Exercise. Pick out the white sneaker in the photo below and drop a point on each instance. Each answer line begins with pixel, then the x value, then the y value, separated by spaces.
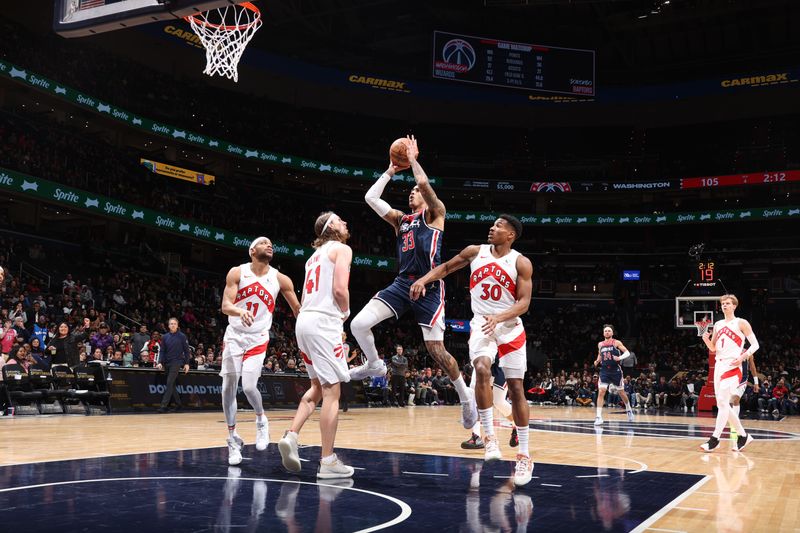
pixel 469 411
pixel 234 452
pixel 288 448
pixel 373 369
pixel 598 421
pixel 630 416
pixel 523 470
pixel 262 435
pixel 491 449
pixel 334 470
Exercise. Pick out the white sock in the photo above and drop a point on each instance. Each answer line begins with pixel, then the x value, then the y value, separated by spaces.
pixel 231 431
pixel 487 421
pixel 461 388
pixel 329 459
pixel 522 433
pixel 261 419
pixel 599 410
pixel 499 400
pixel 628 406
pixel 476 429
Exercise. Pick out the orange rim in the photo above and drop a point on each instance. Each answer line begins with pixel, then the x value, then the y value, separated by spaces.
pixel 246 5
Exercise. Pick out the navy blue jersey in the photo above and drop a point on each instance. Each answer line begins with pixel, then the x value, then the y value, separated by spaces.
pixel 419 246
pixel 607 353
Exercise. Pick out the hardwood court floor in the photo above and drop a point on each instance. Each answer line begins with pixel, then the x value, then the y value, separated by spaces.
pixel 758 490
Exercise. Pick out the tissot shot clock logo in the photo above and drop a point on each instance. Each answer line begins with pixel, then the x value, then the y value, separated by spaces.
pixel 457 56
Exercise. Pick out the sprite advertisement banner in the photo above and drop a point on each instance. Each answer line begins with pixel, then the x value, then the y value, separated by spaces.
pixel 15 182
pixel 694 217
pixel 76 97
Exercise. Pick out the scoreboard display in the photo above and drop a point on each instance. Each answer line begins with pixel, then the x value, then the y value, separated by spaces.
pixel 517 65
pixel 705 273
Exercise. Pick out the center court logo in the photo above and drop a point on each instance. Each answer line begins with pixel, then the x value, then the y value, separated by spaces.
pixel 458 56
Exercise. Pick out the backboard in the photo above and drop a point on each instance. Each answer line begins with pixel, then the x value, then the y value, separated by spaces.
pixel 78 18
pixel 692 309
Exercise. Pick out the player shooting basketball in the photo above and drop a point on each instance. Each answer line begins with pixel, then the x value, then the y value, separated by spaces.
pixel 419 245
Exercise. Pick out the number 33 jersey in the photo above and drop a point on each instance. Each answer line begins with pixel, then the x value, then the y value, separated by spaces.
pixel 256 294
pixel 493 281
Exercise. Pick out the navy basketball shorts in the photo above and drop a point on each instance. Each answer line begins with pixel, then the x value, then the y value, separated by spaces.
pixel 428 309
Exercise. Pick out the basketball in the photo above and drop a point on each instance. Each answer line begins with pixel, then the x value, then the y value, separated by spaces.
pixel 398 152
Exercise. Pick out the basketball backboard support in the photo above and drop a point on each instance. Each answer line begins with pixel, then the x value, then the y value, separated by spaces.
pixel 79 18
pixel 689 310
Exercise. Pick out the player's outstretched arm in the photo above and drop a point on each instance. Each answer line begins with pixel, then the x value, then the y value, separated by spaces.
pixel 458 262
pixel 435 206
pixel 524 290
pixel 381 207
pixel 341 256
pixel 229 296
pixel 287 290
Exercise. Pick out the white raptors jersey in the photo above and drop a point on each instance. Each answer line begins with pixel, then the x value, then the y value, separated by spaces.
pixel 493 281
pixel 730 339
pixel 256 294
pixel 318 284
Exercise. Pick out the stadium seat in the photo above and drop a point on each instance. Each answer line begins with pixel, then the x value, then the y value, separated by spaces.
pixel 41 380
pixel 18 388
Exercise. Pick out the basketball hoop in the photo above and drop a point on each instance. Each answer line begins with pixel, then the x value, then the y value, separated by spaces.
pixel 225 33
pixel 702 327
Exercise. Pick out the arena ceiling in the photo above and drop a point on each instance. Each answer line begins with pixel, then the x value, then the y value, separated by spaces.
pixel 636 40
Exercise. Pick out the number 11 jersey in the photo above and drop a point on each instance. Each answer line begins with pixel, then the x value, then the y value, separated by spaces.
pixel 256 294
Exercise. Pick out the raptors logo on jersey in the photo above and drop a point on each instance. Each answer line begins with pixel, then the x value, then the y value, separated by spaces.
pixel 493 281
pixel 730 339
pixel 257 295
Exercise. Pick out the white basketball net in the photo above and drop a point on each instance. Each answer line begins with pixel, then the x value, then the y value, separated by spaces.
pixel 225 33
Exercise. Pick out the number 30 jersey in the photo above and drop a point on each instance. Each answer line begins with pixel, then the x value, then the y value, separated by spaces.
pixel 256 294
pixel 493 281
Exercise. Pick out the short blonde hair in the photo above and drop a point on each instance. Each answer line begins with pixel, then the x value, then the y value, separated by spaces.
pixel 731 297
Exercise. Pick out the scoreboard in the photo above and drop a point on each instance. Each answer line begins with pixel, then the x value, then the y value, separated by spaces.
pixel 517 65
pixel 705 273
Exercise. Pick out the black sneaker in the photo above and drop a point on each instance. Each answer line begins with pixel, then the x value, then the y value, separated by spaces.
pixel 473 443
pixel 741 442
pixel 514 440
pixel 709 446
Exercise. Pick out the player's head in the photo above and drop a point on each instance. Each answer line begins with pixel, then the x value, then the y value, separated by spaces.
pixel 608 331
pixel 415 200
pixel 261 249
pixel 506 229
pixel 330 227
pixel 728 303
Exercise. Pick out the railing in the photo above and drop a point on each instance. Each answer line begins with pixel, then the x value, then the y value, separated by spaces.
pixel 126 317
pixel 35 272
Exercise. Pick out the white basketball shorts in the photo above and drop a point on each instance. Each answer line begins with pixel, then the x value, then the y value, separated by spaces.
pixel 319 337
pixel 506 342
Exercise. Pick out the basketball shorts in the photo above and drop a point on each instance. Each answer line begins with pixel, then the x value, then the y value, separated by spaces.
pixel 319 337
pixel 507 343
pixel 243 352
pixel 727 378
pixel 428 310
pixel 611 380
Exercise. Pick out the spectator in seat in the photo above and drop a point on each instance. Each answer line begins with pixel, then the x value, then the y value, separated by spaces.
pixel 139 341
pixel 39 355
pixel 410 388
pixel 644 393
pixel 380 385
pixel 674 395
pixel 584 398
pixel 41 331
pixel 777 404
pixel 22 333
pixel 661 392
pixel 101 339
pixel 19 312
pixel 8 338
pixel 764 395
pixel 64 346
pixel 151 350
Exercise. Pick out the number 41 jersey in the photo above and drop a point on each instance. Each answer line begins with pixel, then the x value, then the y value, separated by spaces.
pixel 493 281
